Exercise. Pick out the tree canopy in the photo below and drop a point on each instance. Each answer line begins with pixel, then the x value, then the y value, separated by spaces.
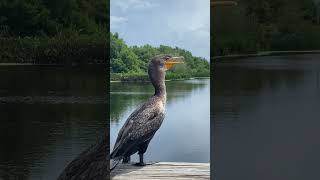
pixel 49 17
pixel 266 25
pixel 126 59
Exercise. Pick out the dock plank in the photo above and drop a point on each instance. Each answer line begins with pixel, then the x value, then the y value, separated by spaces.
pixel 162 170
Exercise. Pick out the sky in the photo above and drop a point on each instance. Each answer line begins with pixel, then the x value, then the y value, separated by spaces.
pixel 176 23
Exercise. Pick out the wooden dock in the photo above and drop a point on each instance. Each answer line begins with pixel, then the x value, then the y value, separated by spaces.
pixel 162 170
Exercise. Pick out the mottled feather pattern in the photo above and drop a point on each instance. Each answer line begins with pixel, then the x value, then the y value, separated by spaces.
pixel 140 126
pixel 137 132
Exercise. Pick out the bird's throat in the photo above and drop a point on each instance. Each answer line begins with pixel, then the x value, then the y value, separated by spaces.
pixel 160 90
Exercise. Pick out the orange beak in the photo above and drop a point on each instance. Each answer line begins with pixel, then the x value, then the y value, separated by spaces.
pixel 173 61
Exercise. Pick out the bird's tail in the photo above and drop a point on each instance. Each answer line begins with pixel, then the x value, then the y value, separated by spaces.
pixel 114 163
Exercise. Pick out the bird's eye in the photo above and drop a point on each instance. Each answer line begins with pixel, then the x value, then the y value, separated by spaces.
pixel 161 65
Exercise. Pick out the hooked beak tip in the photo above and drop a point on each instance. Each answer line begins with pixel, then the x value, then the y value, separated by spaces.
pixel 173 61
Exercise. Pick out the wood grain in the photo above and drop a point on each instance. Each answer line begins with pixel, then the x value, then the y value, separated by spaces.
pixel 162 170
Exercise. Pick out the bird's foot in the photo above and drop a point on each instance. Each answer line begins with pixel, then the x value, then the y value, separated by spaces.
pixel 150 163
pixel 126 160
pixel 144 164
pixel 139 164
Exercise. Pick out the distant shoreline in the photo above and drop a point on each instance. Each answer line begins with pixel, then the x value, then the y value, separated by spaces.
pixel 264 53
pixel 214 58
pixel 53 65
pixel 16 64
pixel 182 79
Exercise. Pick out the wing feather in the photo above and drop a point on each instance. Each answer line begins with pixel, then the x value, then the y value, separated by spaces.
pixel 139 127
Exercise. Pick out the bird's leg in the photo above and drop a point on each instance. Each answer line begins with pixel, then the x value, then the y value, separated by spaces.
pixel 141 163
pixel 141 159
pixel 126 160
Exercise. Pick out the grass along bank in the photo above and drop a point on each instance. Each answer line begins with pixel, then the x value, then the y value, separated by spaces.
pixel 264 53
pixel 67 47
pixel 141 77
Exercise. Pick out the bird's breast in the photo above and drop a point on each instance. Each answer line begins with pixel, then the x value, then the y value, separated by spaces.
pixel 162 108
pixel 161 105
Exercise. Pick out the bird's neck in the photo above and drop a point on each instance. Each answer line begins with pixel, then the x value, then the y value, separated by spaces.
pixel 160 89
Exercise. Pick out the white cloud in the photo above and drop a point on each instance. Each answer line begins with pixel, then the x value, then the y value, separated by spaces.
pixel 181 23
pixel 117 21
pixel 190 26
pixel 124 5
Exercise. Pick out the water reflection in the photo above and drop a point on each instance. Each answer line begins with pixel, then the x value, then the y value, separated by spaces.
pixel 266 118
pixel 48 116
pixel 127 95
pixel 184 135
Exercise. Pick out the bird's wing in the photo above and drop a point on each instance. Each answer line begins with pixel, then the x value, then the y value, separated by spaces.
pixel 139 127
pixel 125 126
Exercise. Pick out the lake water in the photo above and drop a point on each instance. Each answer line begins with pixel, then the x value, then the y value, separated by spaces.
pixel 267 118
pixel 185 133
pixel 48 116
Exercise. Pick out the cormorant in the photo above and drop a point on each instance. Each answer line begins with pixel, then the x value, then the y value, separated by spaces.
pixel 142 124
pixel 91 164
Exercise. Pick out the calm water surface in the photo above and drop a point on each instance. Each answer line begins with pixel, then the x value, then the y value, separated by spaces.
pixel 48 116
pixel 185 132
pixel 267 118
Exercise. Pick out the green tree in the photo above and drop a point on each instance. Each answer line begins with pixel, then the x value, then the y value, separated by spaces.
pixel 49 17
pixel 134 60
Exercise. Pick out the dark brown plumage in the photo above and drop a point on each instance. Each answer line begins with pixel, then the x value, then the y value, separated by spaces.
pixel 135 135
pixel 143 123
pixel 92 164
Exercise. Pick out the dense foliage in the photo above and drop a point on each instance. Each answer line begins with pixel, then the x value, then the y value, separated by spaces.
pixel 266 25
pixel 53 31
pixel 128 62
pixel 50 17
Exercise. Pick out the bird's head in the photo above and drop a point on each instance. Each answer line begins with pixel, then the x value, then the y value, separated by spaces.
pixel 164 62
pixel 160 64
